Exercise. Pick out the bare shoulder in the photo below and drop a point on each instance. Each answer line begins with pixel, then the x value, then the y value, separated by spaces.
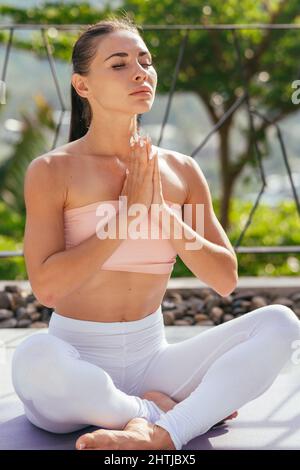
pixel 49 168
pixel 174 158
pixel 194 178
pixel 57 160
pixel 183 165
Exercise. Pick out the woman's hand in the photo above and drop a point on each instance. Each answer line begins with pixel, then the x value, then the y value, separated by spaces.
pixel 138 184
pixel 158 201
pixel 158 197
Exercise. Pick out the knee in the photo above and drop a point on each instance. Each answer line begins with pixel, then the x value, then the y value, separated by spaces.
pixel 25 362
pixel 33 351
pixel 283 319
pixel 36 365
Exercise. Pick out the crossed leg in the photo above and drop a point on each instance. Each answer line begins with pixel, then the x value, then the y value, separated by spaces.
pixel 63 393
pixel 239 359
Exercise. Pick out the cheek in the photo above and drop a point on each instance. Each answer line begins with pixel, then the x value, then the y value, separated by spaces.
pixel 105 87
pixel 115 81
pixel 154 77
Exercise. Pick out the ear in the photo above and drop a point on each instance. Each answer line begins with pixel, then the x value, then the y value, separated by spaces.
pixel 80 85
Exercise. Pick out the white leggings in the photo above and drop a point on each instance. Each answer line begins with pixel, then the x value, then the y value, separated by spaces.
pixel 84 373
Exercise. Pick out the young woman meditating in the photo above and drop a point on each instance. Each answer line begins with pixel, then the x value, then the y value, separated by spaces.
pixel 105 360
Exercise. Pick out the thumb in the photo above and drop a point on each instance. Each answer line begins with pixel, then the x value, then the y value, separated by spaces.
pixel 125 182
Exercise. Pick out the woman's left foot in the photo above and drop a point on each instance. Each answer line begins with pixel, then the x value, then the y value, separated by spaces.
pixel 232 416
pixel 137 434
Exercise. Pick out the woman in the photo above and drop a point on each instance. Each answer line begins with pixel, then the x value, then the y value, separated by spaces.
pixel 105 360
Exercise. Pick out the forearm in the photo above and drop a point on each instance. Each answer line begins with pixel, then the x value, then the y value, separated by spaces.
pixel 211 263
pixel 65 271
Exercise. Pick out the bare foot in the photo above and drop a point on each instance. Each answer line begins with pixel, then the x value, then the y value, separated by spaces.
pixel 233 415
pixel 137 434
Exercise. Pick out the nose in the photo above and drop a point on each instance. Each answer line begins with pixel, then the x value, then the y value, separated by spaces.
pixel 141 71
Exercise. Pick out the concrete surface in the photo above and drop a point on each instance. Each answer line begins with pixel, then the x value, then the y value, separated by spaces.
pixel 272 421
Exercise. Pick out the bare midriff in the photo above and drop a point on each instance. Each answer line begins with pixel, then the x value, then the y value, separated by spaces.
pixel 114 296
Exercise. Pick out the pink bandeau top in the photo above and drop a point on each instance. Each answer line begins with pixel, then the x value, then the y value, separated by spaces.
pixel 154 255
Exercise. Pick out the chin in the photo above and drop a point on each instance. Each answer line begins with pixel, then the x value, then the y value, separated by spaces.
pixel 141 109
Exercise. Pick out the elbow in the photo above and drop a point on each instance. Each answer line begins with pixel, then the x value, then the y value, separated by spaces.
pixel 229 285
pixel 45 299
pixel 48 301
pixel 43 288
pixel 43 296
pixel 225 293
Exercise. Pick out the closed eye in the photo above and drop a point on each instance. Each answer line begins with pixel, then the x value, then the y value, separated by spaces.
pixel 121 65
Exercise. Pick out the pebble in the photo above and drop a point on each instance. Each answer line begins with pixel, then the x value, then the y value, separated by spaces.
pixel 216 315
pixel 5 314
pixel 228 316
pixel 258 301
pixel 201 317
pixel 180 307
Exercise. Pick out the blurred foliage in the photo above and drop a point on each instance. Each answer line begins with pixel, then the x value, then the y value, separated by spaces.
pixel 210 69
pixel 12 226
pixel 209 63
pixel 209 66
pixel 32 142
pixel 271 226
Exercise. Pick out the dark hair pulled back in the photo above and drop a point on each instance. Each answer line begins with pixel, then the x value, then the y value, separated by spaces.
pixel 84 50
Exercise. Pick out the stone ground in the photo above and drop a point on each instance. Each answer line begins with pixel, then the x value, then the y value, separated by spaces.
pixel 186 302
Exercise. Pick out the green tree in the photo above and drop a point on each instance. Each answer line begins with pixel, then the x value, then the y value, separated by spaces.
pixel 33 141
pixel 209 66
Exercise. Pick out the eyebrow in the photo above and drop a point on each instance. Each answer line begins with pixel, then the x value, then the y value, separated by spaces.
pixel 124 54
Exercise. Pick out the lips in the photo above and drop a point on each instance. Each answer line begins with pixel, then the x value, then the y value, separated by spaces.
pixel 142 90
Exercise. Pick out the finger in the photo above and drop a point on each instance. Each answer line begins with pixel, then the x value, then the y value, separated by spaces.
pixel 157 177
pixel 156 162
pixel 150 172
pixel 144 152
pixel 135 159
pixel 135 171
pixel 132 146
pixel 156 166
pixel 124 189
pixel 149 147
pixel 155 174
pixel 131 140
pixel 132 171
pixel 143 159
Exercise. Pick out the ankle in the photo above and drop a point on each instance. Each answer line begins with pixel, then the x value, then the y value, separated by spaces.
pixel 163 438
pixel 154 411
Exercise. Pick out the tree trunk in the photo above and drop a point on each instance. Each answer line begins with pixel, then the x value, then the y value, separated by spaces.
pixel 227 182
pixel 227 190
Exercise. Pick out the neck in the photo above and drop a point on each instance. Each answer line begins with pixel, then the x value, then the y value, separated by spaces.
pixel 110 137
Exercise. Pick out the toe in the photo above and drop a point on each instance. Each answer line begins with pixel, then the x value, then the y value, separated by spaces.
pixel 85 442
